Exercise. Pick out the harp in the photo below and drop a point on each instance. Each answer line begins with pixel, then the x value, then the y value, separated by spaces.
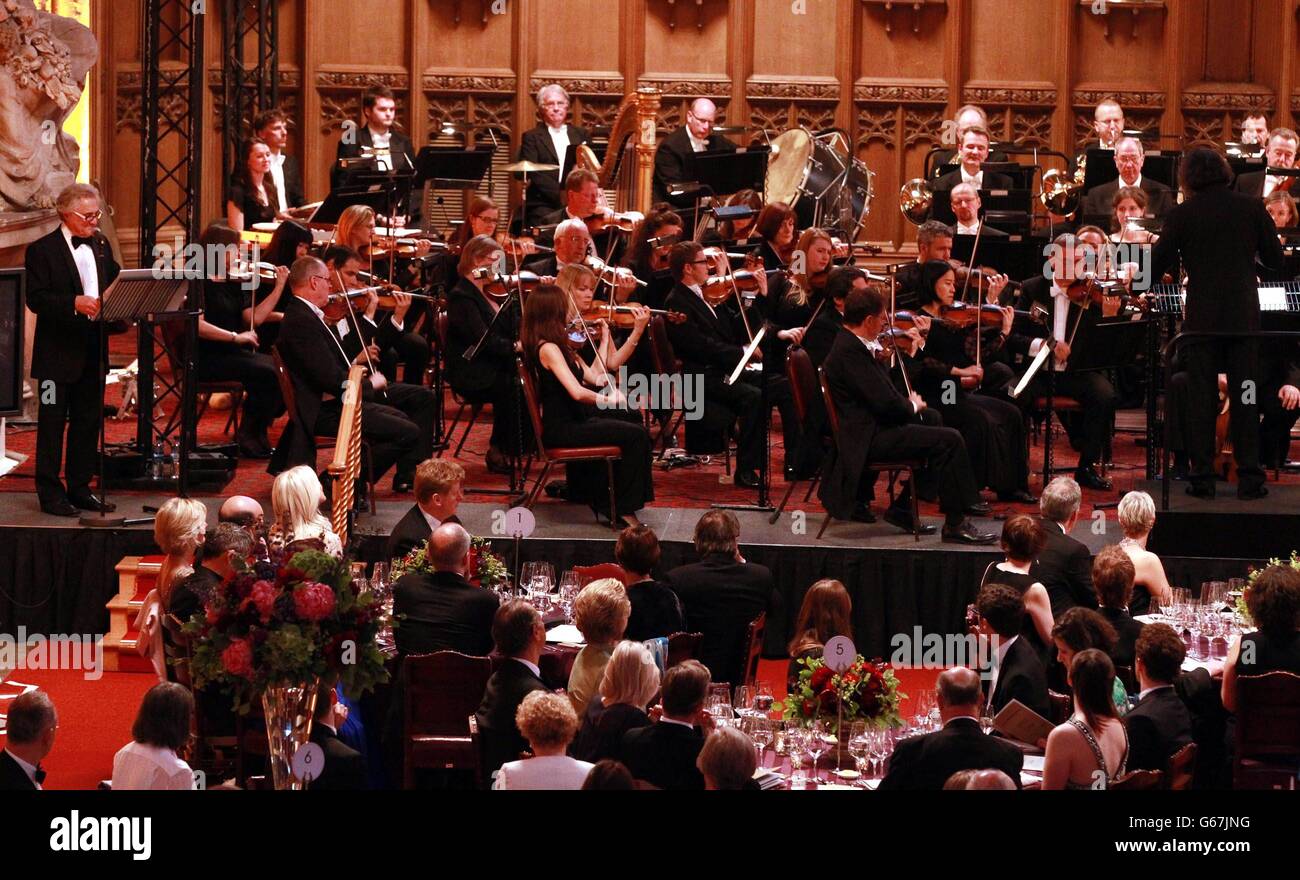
pixel 345 468
pixel 629 163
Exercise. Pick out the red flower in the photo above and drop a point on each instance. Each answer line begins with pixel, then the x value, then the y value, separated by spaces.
pixel 821 677
pixel 313 601
pixel 262 596
pixel 237 658
pixel 809 708
pixel 827 698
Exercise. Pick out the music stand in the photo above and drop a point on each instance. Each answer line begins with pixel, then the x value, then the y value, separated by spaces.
pixel 138 294
pixel 730 171
pixel 339 200
pixel 451 168
pixel 1017 256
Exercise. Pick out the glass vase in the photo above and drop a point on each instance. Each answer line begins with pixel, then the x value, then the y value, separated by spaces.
pixel 288 710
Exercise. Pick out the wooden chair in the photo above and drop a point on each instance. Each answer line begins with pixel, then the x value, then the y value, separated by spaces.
pixel 439 691
pixel 666 363
pixel 683 646
pixel 319 441
pixel 1182 767
pixel 1138 780
pixel 589 573
pixel 893 468
pixel 1267 745
pixel 802 375
pixel 754 647
pixel 440 323
pixel 549 457
pixel 173 334
pixel 1062 706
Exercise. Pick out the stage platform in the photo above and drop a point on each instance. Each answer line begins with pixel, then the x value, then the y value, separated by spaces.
pixel 1225 528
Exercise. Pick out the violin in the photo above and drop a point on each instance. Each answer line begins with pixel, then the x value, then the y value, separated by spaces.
pixel 1095 291
pixel 501 286
pixel 621 316
pixel 248 271
pixel 379 248
pixel 624 222
pixel 979 277
pixel 611 275
pixel 336 305
pixel 718 289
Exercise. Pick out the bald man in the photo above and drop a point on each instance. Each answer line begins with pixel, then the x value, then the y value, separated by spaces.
pixel 441 610
pixel 1129 158
pixel 965 202
pixel 241 510
pixel 672 158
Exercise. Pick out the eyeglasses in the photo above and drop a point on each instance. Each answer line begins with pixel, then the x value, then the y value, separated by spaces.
pixel 92 217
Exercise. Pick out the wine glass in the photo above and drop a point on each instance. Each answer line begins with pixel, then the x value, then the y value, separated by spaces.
pixel 744 701
pixel 763 697
pixel 924 704
pixel 796 746
pixel 986 721
pixel 761 731
pixel 570 583
pixel 881 744
pixel 816 744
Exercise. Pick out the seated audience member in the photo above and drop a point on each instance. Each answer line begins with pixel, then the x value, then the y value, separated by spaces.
pixel 548 722
pixel 224 552
pixel 1018 674
pixel 728 761
pixel 1064 565
pixel 1137 516
pixel 980 780
pixel 1090 751
pixel 1112 577
pixel 520 636
pixel 600 613
pixel 826 612
pixel 630 682
pixel 722 594
pixel 179 530
pixel 1273 601
pixel 32 724
pixel 656 610
pixel 924 763
pixel 1159 725
pixel 242 511
pixel 344 768
pixel 609 775
pixel 151 761
pixel 441 610
pixel 664 753
pixel 296 499
pixel 1080 629
pixel 1022 539
pixel 438 492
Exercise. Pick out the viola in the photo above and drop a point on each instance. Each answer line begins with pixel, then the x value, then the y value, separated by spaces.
pixel 611 275
pixel 719 288
pixel 979 277
pixel 621 315
pixel 624 222
pixel 336 306
pixel 501 286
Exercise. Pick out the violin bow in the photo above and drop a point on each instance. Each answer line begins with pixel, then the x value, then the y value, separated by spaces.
pixel 898 355
pixel 356 326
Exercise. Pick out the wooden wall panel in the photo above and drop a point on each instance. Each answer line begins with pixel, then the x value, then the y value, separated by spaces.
pixel 685 38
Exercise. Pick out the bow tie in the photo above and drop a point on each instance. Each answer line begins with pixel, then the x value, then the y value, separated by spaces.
pixel 39 775
pixel 78 241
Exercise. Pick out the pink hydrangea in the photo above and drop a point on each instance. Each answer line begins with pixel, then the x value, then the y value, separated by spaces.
pixel 238 658
pixel 313 601
pixel 263 596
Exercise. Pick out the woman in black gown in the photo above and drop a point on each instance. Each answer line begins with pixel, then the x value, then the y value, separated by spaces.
pixel 251 196
pixel 1022 540
pixel 572 410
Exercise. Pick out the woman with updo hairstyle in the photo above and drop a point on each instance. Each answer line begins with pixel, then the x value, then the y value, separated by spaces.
pixel 1080 629
pixel 179 529
pixel 1137 517
pixel 1022 540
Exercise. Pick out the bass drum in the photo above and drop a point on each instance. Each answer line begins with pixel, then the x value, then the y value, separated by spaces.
pixel 850 210
pixel 816 178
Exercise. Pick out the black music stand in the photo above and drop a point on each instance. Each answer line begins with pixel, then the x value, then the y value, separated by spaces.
pixel 395 185
pixel 1018 256
pixel 763 503
pixel 451 168
pixel 372 196
pixel 138 294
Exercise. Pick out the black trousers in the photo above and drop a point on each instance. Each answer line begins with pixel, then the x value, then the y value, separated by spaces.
pixel 399 429
pixel 1089 430
pixel 508 416
pixel 725 404
pixel 947 470
pixel 1275 426
pixel 994 431
pixel 588 480
pixel 77 407
pixel 255 371
pixel 1204 360
pixel 412 350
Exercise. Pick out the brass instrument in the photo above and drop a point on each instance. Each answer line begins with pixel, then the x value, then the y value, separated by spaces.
pixel 915 200
pixel 1061 192
pixel 633 134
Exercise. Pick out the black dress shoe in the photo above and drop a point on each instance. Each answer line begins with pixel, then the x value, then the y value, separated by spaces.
pixel 90 501
pixel 254 450
pixel 60 507
pixel 979 508
pixel 402 485
pixel 863 514
pixel 902 519
pixel 1020 496
pixel 557 489
pixel 1090 479
pixel 966 533
pixel 1200 490
pixel 1250 494
pixel 746 479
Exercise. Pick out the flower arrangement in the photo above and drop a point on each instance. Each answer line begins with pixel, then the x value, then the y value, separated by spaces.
pixel 489 568
pixel 867 690
pixel 284 625
pixel 1293 561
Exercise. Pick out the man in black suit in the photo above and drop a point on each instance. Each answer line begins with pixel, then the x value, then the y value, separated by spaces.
pixel 225 550
pixel 442 611
pixel 519 635
pixel 392 150
pixel 552 142
pixel 1064 565
pixel 31 726
pixel 877 423
pixel 438 492
pixel 924 763
pixel 1159 725
pixel 68 271
pixel 972 154
pixel 722 594
pixel 664 753
pixel 1129 157
pixel 1220 236
pixel 1280 153
pixel 1016 672
pixel 964 199
pixel 673 155
pixel 398 430
pixel 272 126
pixel 345 767
pixel 968 116
pixel 933 242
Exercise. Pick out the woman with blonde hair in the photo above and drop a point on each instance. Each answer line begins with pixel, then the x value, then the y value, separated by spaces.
pixel 600 613
pixel 630 683
pixel 296 497
pixel 178 529
pixel 579 286
pixel 1137 516
pixel 548 722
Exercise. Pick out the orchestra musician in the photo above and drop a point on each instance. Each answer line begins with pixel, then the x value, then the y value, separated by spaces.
pixel 1129 203
pixel 1281 206
pixel 1129 157
pixel 878 423
pixel 741 230
pixel 792 300
pixel 552 142
pixel 672 155
pixel 578 284
pixel 272 126
pixel 647 253
pixel 1254 129
pixel 1280 153
pixel 290 241
pixel 933 242
pixel 973 152
pixel 775 228
pixel 377 137
pixel 67 272
pixel 582 201
pixel 968 116
pixel 826 326
pixel 1107 125
pixel 1218 235
pixel 573 244
pixel 251 196
pixel 966 207
pixel 575 414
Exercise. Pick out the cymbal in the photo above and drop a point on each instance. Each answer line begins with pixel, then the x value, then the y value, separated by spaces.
pixel 526 167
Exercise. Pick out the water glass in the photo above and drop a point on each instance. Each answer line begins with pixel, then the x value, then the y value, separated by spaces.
pixel 570 583
pixel 796 746
pixel 763 697
pixel 744 701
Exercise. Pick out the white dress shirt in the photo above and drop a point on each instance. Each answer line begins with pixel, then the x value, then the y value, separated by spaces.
pixel 277 174
pixel 433 522
pixel 1137 184
pixel 1060 318
pixel 976 180
pixel 380 143
pixel 973 229
pixel 140 767
pixel 84 257
pixel 697 145
pixel 560 140
pixel 321 315
pixel 1271 183
pixel 29 769
pixel 548 773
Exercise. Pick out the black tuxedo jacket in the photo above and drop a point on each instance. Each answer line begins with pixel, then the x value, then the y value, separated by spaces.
pixel 1022 677
pixel 399 145
pixel 822 333
pixel 441 611
pixel 992 180
pixel 720 597
pixel 708 341
pixel 1160 198
pixel 1158 726
pixel 1064 567
pixel 498 733
pixel 664 755
pixel 545 187
pixel 1250 184
pixel 950 160
pixel 867 401
pixel 924 763
pixel 316 366
pixel 468 317
pixel 14 778
pixel 1219 235
pixel 545 264
pixel 345 767
pixel 1038 291
pixel 66 342
pixel 1128 629
pixel 411 531
pixel 672 162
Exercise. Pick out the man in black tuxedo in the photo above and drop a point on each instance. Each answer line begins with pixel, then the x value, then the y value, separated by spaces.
pixel 438 492
pixel 1280 153
pixel 552 142
pixel 1159 725
pixel 722 594
pixel 968 117
pixel 398 430
pixel 392 150
pixel 442 611
pixel 933 242
pixel 924 763
pixel 345 767
pixel 31 727
pixel 1064 565
pixel 665 752
pixel 973 153
pixel 272 126
pixel 1016 672
pixel 1220 237
pixel 877 423
pixel 1129 157
pixel 225 549
pixel 673 155
pixel 519 635
pixel 68 271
